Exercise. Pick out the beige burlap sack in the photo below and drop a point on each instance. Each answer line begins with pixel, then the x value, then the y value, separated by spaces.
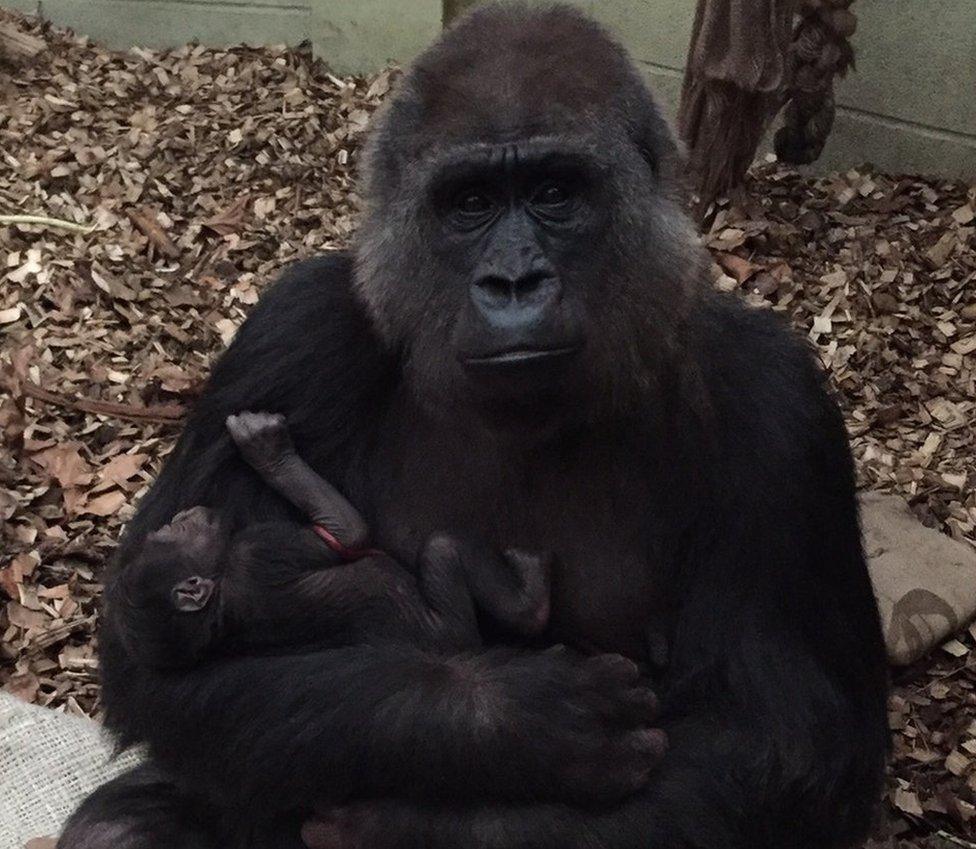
pixel 925 581
pixel 48 763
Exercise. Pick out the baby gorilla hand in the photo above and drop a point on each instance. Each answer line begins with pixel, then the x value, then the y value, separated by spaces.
pixel 262 439
pixel 265 443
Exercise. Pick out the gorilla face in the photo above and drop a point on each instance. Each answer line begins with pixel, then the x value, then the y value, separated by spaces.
pixel 523 247
pixel 537 273
pixel 509 220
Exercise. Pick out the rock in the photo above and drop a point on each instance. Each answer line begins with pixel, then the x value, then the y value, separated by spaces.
pixel 925 581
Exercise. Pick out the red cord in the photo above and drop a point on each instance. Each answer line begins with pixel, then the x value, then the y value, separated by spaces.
pixel 347 554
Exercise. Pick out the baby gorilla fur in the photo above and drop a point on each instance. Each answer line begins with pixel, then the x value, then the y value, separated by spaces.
pixel 194 591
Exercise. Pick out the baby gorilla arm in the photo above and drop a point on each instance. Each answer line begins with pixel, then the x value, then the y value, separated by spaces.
pixel 271 593
pixel 264 441
pixel 513 589
pixel 188 590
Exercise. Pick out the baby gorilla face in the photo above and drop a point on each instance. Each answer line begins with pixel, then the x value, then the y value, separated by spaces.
pixel 183 559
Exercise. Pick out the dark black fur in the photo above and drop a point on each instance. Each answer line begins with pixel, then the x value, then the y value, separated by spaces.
pixel 275 585
pixel 687 468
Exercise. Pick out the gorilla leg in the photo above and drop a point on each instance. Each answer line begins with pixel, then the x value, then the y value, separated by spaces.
pixel 141 809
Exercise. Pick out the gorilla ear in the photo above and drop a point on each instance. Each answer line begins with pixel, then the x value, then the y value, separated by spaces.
pixel 654 138
pixel 392 135
pixel 658 145
pixel 192 594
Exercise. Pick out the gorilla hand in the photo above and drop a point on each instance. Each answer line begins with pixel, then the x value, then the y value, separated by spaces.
pixel 585 727
pixel 363 824
pixel 262 439
pixel 551 726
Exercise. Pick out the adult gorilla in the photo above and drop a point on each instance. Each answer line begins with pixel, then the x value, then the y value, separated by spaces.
pixel 523 347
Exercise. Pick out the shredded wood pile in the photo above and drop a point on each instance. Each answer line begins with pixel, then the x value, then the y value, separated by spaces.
pixel 880 273
pixel 192 176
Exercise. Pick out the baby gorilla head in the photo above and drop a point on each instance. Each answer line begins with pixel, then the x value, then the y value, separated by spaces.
pixel 179 564
pixel 176 573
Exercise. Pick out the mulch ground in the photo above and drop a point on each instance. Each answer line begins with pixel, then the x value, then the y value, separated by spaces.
pixel 193 175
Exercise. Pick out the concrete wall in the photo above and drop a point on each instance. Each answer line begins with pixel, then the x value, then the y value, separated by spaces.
pixel 166 23
pixel 910 106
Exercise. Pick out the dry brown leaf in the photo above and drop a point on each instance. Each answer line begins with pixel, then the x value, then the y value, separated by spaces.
pixel 145 220
pixel 23 685
pixel 940 252
pixel 105 505
pixel 24 617
pixel 231 219
pixel 65 464
pixel 740 269
pixel 122 467
pixel 908 802
pixel 957 763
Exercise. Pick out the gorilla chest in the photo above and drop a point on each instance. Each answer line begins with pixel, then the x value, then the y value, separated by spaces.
pixel 593 508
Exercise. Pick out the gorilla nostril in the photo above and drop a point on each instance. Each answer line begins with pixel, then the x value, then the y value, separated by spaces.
pixel 534 283
pixel 538 288
pixel 515 294
pixel 495 289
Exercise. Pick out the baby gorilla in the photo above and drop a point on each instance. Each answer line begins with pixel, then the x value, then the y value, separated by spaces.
pixel 193 591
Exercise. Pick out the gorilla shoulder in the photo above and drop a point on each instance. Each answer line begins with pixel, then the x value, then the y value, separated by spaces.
pixel 307 344
pixel 308 297
pixel 763 379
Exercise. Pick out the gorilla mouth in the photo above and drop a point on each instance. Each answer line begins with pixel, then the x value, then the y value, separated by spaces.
pixel 517 357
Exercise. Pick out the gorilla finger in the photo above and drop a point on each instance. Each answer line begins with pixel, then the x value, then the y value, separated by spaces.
pixel 649 742
pixel 625 776
pixel 194 514
pixel 639 705
pixel 267 421
pixel 611 670
pixel 333 828
pixel 238 428
pixel 326 834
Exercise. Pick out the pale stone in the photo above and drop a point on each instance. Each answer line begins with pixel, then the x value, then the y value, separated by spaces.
pixel 925 581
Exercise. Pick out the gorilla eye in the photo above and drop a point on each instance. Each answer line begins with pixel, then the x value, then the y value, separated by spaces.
pixel 551 194
pixel 473 204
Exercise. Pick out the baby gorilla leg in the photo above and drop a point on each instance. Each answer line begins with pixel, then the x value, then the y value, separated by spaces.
pixel 512 589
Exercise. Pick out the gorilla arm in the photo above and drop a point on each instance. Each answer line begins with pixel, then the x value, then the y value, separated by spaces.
pixel 288 730
pixel 774 702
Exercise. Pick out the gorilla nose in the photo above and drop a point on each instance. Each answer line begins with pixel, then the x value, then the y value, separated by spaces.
pixel 514 299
